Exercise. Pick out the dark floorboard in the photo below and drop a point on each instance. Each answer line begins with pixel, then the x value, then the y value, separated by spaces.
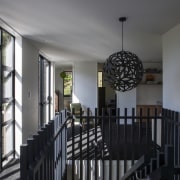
pixel 126 142
pixel 11 171
pixel 129 142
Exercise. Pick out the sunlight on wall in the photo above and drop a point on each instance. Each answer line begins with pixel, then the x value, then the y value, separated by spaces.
pixel 18 94
pixel 74 98
pixel 52 89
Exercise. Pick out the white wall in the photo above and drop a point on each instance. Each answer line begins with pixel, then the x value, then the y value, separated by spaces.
pixel 59 86
pixel 85 84
pixel 149 94
pixel 30 89
pixel 171 69
pixel 126 100
pixel 18 93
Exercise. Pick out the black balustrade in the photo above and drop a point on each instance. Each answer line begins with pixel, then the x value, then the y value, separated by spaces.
pixel 44 155
pixel 107 146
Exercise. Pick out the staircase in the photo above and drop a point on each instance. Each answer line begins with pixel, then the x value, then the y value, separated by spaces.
pixel 157 165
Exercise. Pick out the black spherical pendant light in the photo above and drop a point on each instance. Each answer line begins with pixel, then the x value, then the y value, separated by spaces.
pixel 123 70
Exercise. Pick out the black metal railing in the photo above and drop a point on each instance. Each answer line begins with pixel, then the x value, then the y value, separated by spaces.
pixel 164 161
pixel 44 155
pixel 87 146
pixel 107 145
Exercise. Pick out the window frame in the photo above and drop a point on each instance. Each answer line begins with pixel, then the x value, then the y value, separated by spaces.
pixel 11 69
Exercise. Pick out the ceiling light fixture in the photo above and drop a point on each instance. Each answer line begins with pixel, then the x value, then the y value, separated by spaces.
pixel 123 70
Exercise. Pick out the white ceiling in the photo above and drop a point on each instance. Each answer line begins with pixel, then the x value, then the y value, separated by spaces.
pixel 68 31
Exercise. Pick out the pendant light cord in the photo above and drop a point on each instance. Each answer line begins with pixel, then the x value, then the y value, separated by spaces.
pixel 122 36
pixel 122 20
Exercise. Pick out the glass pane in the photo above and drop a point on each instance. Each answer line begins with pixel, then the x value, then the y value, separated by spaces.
pixel 7 84
pixel 44 88
pixel 7 49
pixel 99 79
pixel 47 91
pixel 68 84
pixel 7 114
pixel 7 111
pixel 7 139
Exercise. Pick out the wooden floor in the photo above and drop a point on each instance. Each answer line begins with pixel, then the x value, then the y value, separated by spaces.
pixel 11 171
pixel 122 142
pixel 126 142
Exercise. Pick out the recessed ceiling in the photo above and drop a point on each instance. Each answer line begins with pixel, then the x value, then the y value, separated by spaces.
pixel 67 31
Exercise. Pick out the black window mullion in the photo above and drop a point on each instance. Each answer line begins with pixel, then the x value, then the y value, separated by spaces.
pixel 13 94
pixel 50 98
pixel 41 91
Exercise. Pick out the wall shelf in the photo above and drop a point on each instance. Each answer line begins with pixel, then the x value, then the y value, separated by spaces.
pixel 149 90
pixel 144 83
pixel 152 71
pixel 152 76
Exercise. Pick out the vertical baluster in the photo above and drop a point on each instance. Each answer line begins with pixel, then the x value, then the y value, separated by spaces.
pixel 118 140
pixel 24 163
pixel 163 129
pixel 65 150
pixel 37 155
pixel 88 160
pixel 54 146
pixel 132 136
pixel 168 134
pixel 40 148
pixel 148 137
pixel 61 145
pixel 172 127
pixel 73 134
pixel 166 127
pixel 176 140
pixel 155 127
pixel 125 139
pixel 80 144
pixel 110 145
pixel 103 134
pixel 95 145
pixel 50 135
pixel 44 134
pixel 31 155
pixel 125 125
pixel 140 126
pixel 48 155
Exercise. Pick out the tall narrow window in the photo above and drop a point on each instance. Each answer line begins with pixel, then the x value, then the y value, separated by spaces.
pixel 7 98
pixel 67 82
pixel 44 90
pixel 100 82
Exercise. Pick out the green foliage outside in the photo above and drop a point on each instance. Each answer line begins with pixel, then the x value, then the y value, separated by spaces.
pixel 68 84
